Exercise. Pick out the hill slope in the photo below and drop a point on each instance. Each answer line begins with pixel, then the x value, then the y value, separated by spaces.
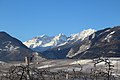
pixel 12 49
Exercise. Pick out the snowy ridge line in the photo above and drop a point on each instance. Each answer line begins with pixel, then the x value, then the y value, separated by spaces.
pixel 44 42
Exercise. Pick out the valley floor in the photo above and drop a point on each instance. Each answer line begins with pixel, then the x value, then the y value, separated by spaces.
pixel 67 69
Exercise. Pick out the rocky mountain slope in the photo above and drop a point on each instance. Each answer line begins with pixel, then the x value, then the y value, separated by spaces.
pixel 103 43
pixel 12 49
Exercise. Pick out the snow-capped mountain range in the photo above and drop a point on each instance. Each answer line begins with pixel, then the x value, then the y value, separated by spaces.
pixel 45 42
pixel 102 43
pixel 88 44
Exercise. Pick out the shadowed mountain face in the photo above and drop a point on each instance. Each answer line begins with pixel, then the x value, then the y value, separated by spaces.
pixel 12 49
pixel 61 52
pixel 103 43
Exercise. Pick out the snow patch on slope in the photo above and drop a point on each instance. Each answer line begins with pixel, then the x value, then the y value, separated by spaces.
pixel 109 36
pixel 9 47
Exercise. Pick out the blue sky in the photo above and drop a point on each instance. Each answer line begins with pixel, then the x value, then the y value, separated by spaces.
pixel 25 19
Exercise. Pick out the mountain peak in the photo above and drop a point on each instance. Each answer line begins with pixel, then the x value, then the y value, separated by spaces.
pixel 44 35
pixel 83 34
pixel 4 33
pixel 61 34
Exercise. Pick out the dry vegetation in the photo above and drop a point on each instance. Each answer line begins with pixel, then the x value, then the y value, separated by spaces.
pixel 26 72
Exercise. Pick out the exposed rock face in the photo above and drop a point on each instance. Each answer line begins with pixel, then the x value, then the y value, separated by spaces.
pixel 103 43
